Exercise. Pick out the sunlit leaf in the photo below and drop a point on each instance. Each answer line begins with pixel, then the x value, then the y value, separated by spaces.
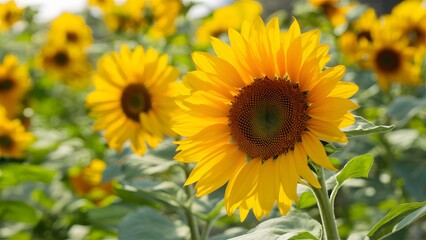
pixel 363 127
pixel 399 217
pixel 15 211
pixel 13 174
pixel 357 167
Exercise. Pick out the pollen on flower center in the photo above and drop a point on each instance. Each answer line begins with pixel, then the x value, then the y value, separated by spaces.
pixel 267 118
pixel 388 60
pixel 61 59
pixel 135 99
pixel 6 84
pixel 5 142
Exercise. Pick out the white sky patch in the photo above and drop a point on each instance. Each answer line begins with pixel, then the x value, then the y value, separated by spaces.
pixel 49 9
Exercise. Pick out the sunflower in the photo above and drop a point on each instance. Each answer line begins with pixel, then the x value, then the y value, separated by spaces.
pixel 332 9
pixel 87 182
pixel 392 59
pixel 355 42
pixel 70 29
pixel 9 15
pixel 164 13
pixel 14 84
pixel 409 17
pixel 14 140
pixel 235 14
pixel 67 63
pixel 133 98
pixel 255 112
pixel 104 5
pixel 126 17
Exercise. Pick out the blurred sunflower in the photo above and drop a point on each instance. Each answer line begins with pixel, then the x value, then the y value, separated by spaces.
pixel 9 15
pixel 235 14
pixel 68 63
pixel 14 84
pixel 332 9
pixel 392 59
pixel 14 140
pixel 87 182
pixel 355 42
pixel 164 13
pixel 134 15
pixel 104 5
pixel 70 29
pixel 133 98
pixel 125 17
pixel 409 17
pixel 255 112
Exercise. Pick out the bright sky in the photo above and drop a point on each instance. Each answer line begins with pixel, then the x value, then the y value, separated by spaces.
pixel 52 8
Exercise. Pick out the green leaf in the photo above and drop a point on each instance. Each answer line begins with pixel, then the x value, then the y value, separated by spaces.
pixel 404 108
pixel 13 174
pixel 109 216
pixel 15 211
pixel 399 217
pixel 363 127
pixel 146 223
pixel 358 166
pixel 296 223
pixel 306 200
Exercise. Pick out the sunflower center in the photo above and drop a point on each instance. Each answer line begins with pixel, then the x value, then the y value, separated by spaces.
pixel 268 117
pixel 8 17
pixel 72 37
pixel 329 8
pixel 135 99
pixel 364 34
pixel 416 36
pixel 61 59
pixel 388 60
pixel 5 142
pixel 6 84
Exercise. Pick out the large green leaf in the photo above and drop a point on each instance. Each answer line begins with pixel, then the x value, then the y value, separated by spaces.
pixel 404 108
pixel 146 223
pixel 15 211
pixel 363 127
pixel 358 166
pixel 109 216
pixel 13 174
pixel 291 226
pixel 399 217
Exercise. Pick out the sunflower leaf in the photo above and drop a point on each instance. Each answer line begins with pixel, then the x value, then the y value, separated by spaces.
pixel 363 127
pixel 15 211
pixel 399 217
pixel 13 174
pixel 358 166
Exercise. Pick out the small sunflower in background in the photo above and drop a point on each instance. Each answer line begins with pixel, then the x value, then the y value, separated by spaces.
pixel 133 98
pixel 392 59
pixel 254 113
pixel 409 17
pixel 67 63
pixel 157 17
pixel 14 139
pixel 333 10
pixel 87 182
pixel 14 84
pixel 354 43
pixel 104 5
pixel 9 14
pixel 164 14
pixel 70 29
pixel 231 16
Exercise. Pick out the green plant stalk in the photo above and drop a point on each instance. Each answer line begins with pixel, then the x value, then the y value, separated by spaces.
pixel 325 208
pixel 192 220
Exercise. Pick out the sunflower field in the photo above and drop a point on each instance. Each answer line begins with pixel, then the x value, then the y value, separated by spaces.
pixel 180 119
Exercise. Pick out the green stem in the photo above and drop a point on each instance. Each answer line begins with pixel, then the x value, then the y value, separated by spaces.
pixel 192 220
pixel 325 208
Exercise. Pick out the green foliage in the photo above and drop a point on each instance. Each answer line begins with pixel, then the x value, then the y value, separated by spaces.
pixel 363 127
pixel 399 217
pixel 296 225
pixel 357 167
pixel 15 211
pixel 12 174
pixel 146 223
